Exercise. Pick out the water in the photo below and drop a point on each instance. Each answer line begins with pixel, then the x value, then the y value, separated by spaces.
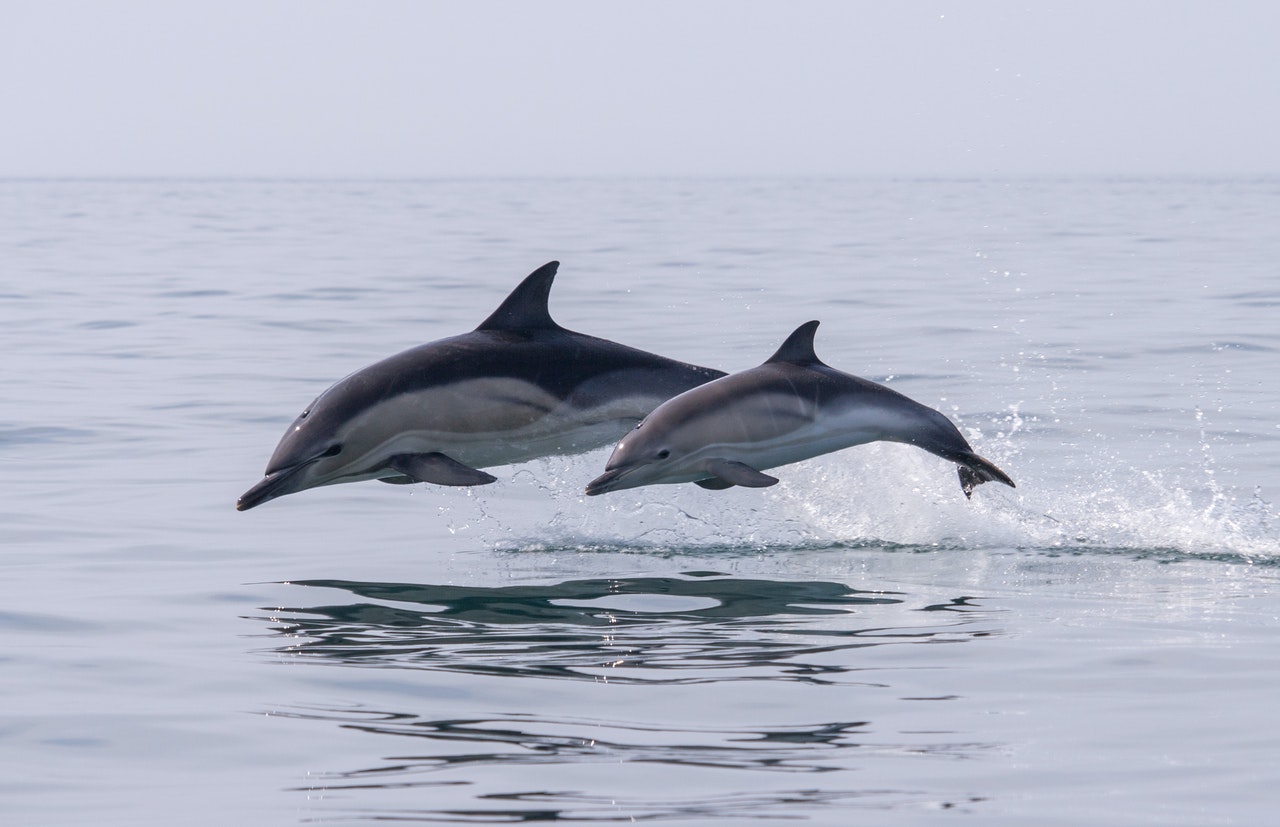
pixel 858 642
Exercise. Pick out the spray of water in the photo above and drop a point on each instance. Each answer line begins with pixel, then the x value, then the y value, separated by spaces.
pixel 894 495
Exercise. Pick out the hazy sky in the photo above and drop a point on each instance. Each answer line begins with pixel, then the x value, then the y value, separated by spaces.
pixel 560 87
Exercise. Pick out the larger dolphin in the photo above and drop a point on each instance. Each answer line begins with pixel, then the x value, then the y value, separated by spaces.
pixel 791 408
pixel 517 387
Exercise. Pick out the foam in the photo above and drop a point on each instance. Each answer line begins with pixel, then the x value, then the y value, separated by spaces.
pixel 896 495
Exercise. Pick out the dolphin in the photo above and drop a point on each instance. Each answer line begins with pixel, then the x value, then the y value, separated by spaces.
pixel 516 388
pixel 791 408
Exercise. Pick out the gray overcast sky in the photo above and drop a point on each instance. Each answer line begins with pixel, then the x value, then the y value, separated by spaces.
pixel 699 87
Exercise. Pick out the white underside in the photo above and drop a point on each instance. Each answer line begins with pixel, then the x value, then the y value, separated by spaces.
pixel 481 424
pixel 855 426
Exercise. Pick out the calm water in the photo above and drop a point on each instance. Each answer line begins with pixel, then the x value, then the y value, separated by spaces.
pixel 857 643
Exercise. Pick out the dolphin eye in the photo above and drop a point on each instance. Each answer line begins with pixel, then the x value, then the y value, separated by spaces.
pixel 332 451
pixel 664 453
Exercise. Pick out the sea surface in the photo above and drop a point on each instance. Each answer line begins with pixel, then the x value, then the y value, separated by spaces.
pixel 858 644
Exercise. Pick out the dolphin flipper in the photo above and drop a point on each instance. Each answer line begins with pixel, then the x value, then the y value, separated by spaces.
pixel 736 473
pixel 975 470
pixel 713 484
pixel 438 468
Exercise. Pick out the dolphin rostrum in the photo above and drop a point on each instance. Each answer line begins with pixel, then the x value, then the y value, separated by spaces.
pixel 791 408
pixel 516 388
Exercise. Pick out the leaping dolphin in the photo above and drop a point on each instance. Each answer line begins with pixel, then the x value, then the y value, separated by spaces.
pixel 517 387
pixel 791 408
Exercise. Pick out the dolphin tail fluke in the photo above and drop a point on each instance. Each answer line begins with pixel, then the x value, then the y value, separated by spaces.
pixel 974 471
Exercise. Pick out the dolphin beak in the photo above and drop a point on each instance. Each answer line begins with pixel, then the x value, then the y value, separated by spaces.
pixel 275 484
pixel 606 482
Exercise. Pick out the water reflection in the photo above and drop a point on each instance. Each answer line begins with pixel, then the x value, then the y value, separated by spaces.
pixel 519 739
pixel 486 770
pixel 669 740
pixel 584 808
pixel 699 627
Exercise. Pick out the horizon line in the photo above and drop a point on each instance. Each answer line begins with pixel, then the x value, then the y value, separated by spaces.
pixel 480 177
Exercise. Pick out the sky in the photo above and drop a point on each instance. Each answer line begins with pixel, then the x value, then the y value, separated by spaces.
pixel 402 88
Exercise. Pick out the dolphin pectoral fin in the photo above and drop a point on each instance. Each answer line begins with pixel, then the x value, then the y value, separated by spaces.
pixel 713 484
pixel 974 471
pixel 439 469
pixel 397 480
pixel 736 473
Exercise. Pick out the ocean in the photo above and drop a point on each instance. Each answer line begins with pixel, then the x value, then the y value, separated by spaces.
pixel 857 643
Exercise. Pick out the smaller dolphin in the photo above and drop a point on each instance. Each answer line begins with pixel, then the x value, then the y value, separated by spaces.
pixel 791 408
pixel 516 388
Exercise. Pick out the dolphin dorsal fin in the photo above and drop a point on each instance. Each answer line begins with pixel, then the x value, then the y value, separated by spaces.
pixel 798 348
pixel 526 307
